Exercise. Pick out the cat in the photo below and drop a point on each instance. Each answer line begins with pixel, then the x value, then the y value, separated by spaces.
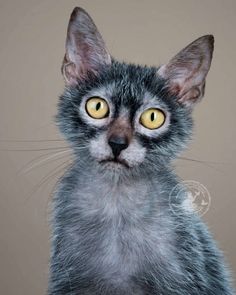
pixel 113 230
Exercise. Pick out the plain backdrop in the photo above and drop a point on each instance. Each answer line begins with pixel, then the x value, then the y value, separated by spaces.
pixel 148 32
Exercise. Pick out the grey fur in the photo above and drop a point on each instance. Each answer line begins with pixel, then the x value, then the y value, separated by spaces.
pixel 114 232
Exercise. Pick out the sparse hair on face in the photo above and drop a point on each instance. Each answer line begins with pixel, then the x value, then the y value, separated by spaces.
pixel 113 230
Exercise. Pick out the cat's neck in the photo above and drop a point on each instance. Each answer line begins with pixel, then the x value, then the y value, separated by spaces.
pixel 112 195
pixel 119 176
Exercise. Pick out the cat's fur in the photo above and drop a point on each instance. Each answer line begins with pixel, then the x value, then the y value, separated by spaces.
pixel 114 232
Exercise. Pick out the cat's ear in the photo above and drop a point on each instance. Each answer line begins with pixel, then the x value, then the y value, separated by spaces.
pixel 85 49
pixel 186 72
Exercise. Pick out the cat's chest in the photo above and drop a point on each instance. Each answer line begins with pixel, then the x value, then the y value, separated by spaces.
pixel 118 226
pixel 119 248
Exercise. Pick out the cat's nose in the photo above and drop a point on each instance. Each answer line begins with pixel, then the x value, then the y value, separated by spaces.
pixel 117 144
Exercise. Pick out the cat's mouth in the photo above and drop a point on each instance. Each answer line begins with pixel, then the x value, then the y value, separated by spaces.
pixel 115 161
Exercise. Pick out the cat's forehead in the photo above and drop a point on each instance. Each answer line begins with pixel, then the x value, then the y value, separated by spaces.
pixel 127 95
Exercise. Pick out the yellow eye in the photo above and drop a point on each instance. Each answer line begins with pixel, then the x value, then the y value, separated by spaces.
pixel 97 108
pixel 152 118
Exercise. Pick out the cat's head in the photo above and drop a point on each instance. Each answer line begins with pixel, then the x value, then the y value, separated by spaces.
pixel 122 116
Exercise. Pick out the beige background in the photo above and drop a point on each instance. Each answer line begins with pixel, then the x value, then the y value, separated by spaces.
pixel 149 32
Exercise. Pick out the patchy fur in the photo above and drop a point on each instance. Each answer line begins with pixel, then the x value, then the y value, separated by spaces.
pixel 114 232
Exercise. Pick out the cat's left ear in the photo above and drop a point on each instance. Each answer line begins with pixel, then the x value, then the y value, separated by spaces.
pixel 85 49
pixel 186 72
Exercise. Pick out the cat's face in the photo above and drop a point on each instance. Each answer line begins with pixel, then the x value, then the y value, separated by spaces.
pixel 128 119
pixel 122 116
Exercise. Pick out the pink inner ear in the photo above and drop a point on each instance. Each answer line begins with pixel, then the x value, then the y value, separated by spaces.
pixel 189 83
pixel 186 72
pixel 69 73
pixel 85 48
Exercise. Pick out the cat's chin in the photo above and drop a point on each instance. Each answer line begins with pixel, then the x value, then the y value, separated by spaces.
pixel 113 163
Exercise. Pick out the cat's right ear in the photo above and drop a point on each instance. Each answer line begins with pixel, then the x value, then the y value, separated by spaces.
pixel 85 49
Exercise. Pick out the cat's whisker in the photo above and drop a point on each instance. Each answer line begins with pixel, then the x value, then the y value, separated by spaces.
pixel 199 161
pixel 33 150
pixel 56 171
pixel 31 140
pixel 25 166
pixel 46 160
pixel 205 163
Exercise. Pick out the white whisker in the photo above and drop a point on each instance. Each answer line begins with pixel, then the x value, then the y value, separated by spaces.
pixel 47 159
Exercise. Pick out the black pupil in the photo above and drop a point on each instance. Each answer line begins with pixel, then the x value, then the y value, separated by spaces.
pixel 152 116
pixel 98 106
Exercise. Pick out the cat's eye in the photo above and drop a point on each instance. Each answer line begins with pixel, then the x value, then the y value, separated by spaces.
pixel 97 108
pixel 152 118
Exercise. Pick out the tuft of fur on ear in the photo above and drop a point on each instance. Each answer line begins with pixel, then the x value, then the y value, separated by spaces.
pixel 186 72
pixel 85 49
